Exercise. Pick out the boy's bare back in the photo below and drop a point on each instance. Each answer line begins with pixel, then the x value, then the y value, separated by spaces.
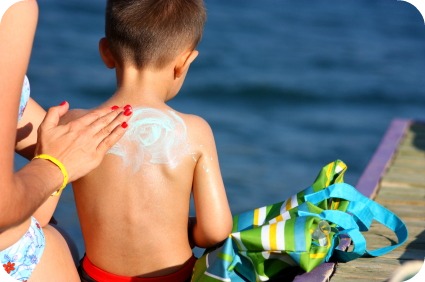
pixel 134 207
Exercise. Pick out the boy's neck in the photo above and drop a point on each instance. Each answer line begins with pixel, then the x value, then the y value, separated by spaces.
pixel 148 87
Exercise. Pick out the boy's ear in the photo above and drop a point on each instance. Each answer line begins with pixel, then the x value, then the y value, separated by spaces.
pixel 184 61
pixel 105 53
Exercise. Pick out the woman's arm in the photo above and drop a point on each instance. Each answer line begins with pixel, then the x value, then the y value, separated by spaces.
pixel 26 140
pixel 213 221
pixel 80 145
pixel 26 135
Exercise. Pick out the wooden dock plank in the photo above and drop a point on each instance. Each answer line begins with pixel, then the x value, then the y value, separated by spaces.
pixel 400 187
pixel 365 270
pixel 369 180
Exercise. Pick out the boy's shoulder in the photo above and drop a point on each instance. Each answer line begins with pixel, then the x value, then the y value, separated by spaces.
pixel 195 122
pixel 168 116
pixel 196 127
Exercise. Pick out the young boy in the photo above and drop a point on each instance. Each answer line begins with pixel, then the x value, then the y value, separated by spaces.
pixel 134 207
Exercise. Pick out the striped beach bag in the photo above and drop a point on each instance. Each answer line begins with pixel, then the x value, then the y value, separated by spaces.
pixel 302 231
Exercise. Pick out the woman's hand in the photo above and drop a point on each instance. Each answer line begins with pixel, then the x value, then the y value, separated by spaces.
pixel 82 143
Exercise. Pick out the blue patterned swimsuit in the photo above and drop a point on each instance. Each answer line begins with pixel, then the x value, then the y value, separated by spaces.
pixel 25 96
pixel 20 259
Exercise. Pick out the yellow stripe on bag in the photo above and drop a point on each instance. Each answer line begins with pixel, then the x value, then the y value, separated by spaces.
pixel 276 219
pixel 260 216
pixel 288 204
pixel 329 173
pixel 273 235
pixel 291 202
pixel 335 204
pixel 256 216
pixel 318 255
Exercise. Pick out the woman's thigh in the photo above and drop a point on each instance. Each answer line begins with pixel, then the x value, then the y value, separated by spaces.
pixel 56 263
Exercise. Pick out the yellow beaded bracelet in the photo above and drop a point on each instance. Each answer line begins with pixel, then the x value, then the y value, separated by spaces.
pixel 60 166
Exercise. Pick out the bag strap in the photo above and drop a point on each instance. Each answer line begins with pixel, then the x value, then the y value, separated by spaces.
pixel 358 208
pixel 367 211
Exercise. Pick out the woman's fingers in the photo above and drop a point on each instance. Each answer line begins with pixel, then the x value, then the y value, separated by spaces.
pixel 110 131
pixel 112 138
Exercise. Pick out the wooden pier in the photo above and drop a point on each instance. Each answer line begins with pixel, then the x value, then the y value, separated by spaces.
pixel 395 178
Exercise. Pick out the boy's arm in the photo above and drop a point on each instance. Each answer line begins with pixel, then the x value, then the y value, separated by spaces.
pixel 26 136
pixel 26 139
pixel 213 221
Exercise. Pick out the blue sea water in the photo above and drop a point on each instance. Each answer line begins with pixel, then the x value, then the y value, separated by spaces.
pixel 287 86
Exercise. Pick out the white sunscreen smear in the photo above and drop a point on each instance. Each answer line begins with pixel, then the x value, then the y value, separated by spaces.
pixel 153 136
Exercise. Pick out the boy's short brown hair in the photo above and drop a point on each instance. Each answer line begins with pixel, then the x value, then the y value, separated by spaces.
pixel 150 33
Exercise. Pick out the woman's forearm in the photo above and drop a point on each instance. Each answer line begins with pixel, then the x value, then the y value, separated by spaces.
pixel 27 190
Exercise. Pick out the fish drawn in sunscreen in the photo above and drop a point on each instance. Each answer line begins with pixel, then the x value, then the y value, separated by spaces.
pixel 153 136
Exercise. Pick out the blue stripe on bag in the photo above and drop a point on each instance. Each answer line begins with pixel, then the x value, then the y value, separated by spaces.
pixel 245 220
pixel 309 190
pixel 300 229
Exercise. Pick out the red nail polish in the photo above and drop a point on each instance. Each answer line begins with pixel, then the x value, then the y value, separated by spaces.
pixel 63 103
pixel 128 112
pixel 114 108
pixel 126 107
pixel 124 124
